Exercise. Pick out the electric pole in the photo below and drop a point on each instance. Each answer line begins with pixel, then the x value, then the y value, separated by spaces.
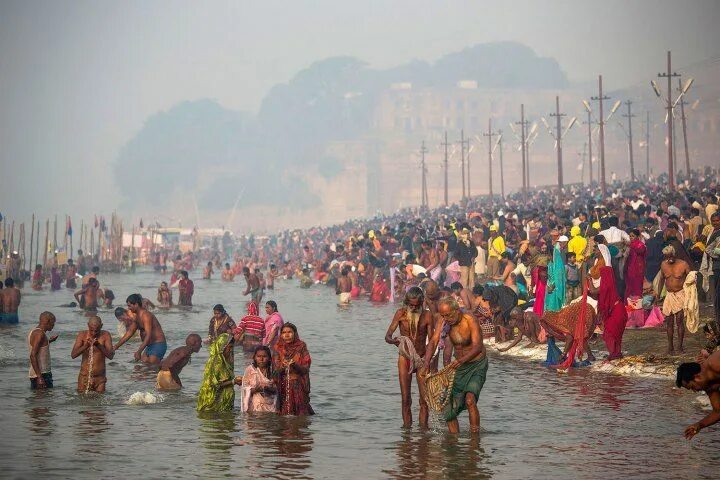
pixel 669 75
pixel 490 136
pixel 558 138
pixel 589 145
pixel 600 98
pixel 629 115
pixel 684 127
pixel 467 161
pixel 445 144
pixel 424 202
pixel 582 163
pixel 462 161
pixel 502 174
pixel 647 143
pixel 522 146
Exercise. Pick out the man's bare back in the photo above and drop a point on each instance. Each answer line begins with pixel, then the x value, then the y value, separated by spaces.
pixel 10 298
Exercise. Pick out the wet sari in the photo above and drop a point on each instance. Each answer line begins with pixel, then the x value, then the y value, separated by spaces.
pixel 555 293
pixel 293 385
pixel 211 397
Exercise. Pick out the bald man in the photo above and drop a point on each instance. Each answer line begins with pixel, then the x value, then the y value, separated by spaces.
pixel 95 345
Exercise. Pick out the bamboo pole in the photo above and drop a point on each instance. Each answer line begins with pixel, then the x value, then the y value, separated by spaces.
pixel 82 232
pixel 32 242
pixel 47 241
pixel 12 237
pixel 55 234
pixel 37 246
pixel 22 246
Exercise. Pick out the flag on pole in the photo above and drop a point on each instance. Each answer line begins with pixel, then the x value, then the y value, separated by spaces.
pixel 141 223
pixel 69 227
pixel 96 222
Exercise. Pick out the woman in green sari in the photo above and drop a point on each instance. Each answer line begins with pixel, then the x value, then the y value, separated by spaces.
pixel 217 393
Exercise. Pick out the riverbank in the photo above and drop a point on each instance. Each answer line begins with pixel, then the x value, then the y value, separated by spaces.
pixel 644 350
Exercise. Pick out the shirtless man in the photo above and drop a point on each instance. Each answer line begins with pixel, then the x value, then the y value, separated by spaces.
pixel 170 368
pixel 415 323
pixel 227 274
pixel 702 377
pixel 10 302
pixel 430 260
pixel 271 276
pixel 672 276
pixel 344 286
pixel 39 346
pixel 71 275
pixel 87 297
pixel 153 346
pixel 253 285
pixel 93 274
pixel 95 345
pixel 470 362
pixel 208 272
pixel 527 323
pixel 164 295
pixel 506 276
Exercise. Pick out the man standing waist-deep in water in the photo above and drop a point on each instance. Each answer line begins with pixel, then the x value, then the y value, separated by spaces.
pixel 470 362
pixel 153 346
pixel 415 322
pixel 95 345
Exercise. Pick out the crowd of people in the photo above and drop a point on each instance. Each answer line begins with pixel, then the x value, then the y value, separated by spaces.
pixel 544 265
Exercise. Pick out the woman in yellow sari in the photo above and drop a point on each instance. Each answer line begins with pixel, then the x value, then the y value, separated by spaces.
pixel 217 393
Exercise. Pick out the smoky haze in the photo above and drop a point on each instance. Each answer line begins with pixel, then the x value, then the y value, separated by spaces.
pixel 176 110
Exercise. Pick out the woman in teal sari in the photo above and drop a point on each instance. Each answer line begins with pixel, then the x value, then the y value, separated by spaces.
pixel 217 393
pixel 555 293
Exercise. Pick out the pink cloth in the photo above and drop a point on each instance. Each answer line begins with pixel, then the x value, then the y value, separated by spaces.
pixel 655 319
pixel 275 321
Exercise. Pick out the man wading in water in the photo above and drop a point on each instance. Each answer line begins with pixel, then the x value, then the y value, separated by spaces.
pixel 153 346
pixel 470 362
pixel 415 323
pixel 95 345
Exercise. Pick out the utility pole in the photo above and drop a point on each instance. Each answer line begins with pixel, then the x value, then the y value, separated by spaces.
pixel 467 160
pixel 462 161
pixel 502 173
pixel 600 98
pixel 629 115
pixel 445 144
pixel 647 144
pixel 582 163
pixel 669 75
pixel 522 146
pixel 589 145
pixel 424 202
pixel 684 127
pixel 490 136
pixel 558 138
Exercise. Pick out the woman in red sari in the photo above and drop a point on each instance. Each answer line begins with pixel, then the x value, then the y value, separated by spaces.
pixel 611 313
pixel 291 364
pixel 635 266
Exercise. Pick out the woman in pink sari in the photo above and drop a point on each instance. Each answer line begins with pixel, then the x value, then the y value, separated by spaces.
pixel 611 313
pixel 635 266
pixel 273 323
pixel 539 280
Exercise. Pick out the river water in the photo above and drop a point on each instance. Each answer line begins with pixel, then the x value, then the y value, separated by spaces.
pixel 535 423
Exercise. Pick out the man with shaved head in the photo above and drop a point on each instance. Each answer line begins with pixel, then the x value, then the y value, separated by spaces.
pixel 95 345
pixel 673 272
pixel 39 345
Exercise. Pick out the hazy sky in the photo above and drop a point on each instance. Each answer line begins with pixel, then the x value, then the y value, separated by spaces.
pixel 78 79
